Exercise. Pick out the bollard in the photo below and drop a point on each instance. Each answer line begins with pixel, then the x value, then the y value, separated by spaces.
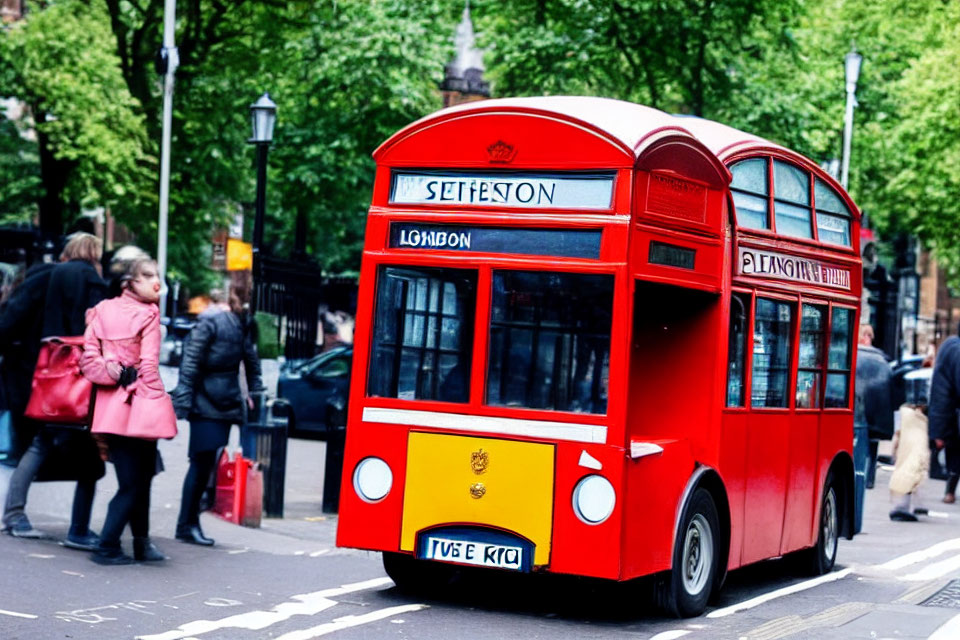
pixel 333 465
pixel 861 459
pixel 266 434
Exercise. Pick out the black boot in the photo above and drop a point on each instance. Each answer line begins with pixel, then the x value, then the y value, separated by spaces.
pixel 193 534
pixel 145 551
pixel 110 555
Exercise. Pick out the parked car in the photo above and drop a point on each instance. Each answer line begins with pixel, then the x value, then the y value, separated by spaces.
pixel 317 391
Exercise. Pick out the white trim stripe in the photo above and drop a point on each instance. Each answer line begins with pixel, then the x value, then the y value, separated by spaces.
pixel 591 433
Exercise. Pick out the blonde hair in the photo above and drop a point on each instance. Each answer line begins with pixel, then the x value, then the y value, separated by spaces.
pixel 83 246
pixel 866 333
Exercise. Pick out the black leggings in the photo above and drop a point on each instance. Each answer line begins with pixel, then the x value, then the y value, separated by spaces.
pixel 135 461
pixel 201 466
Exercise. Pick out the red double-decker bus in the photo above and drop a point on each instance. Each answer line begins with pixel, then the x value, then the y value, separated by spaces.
pixel 597 339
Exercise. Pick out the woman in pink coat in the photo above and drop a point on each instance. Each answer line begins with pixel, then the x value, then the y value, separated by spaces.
pixel 131 409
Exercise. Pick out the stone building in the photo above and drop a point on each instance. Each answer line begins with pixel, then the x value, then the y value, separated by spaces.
pixel 463 78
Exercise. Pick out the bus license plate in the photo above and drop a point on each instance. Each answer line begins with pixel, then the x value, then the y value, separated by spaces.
pixel 482 554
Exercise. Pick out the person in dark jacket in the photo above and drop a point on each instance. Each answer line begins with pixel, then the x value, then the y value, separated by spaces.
pixel 62 453
pixel 944 404
pixel 21 328
pixel 208 393
pixel 874 388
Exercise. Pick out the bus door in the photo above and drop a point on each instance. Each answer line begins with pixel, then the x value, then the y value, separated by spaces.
pixel 768 427
pixel 801 499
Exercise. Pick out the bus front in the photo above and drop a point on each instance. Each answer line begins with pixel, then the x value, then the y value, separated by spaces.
pixel 486 409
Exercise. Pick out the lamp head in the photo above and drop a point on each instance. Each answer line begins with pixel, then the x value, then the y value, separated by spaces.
pixel 852 63
pixel 263 115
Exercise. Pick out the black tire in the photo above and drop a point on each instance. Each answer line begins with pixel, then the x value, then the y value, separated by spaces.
pixel 820 559
pixel 685 590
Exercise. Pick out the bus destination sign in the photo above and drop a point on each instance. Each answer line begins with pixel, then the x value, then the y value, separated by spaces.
pixel 564 243
pixel 592 191
pixel 784 267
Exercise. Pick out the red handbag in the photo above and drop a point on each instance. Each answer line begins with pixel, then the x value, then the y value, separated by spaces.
pixel 60 393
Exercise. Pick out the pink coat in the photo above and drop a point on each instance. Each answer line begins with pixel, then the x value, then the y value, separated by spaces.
pixel 127 331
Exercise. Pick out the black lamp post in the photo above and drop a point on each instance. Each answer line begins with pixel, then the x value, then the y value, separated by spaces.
pixel 263 115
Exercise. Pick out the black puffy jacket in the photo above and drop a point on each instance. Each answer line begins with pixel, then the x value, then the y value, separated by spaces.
pixel 209 384
pixel 945 392
pixel 873 387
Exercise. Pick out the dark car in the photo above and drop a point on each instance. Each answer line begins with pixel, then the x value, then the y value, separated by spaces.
pixel 317 391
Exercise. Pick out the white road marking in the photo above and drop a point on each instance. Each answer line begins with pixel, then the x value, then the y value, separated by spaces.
pixel 307 604
pixel 42 556
pixel 935 570
pixel 779 593
pixel 72 573
pixel 350 621
pixel 919 556
pixel 234 552
pixel 949 630
pixel 670 635
pixel 319 553
pixel 29 616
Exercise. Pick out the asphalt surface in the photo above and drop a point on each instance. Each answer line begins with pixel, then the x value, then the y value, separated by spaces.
pixel 287 580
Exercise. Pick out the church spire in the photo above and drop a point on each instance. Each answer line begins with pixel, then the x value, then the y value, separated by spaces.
pixel 463 78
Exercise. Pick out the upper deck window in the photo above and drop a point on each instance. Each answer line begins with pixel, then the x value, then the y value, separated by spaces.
pixel 833 217
pixel 550 340
pixel 791 203
pixel 423 334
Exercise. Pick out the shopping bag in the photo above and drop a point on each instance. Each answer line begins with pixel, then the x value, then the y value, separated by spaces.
pixel 239 497
pixel 60 393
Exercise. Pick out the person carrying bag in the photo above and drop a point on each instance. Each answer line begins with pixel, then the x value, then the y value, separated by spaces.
pixel 131 408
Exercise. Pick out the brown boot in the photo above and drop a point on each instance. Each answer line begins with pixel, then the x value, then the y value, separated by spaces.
pixel 949 498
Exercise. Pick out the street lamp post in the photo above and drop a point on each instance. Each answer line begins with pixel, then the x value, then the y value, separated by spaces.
pixel 263 115
pixel 852 63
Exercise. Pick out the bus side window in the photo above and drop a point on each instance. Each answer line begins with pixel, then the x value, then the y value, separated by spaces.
pixel 423 334
pixel 813 327
pixel 838 359
pixel 739 303
pixel 550 340
pixel 771 354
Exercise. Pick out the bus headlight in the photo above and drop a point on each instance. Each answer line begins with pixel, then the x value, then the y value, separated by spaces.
pixel 594 499
pixel 372 479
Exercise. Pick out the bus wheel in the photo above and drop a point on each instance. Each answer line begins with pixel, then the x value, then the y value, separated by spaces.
pixel 686 588
pixel 821 557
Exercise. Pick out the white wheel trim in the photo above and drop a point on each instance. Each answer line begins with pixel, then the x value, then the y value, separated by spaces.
pixel 828 525
pixel 697 559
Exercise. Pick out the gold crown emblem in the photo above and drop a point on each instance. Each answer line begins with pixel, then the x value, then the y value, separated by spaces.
pixel 477 490
pixel 479 460
pixel 501 152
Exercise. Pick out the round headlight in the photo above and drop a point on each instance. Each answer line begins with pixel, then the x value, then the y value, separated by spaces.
pixel 594 499
pixel 372 479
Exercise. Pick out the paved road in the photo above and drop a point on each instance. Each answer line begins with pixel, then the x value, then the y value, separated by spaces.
pixel 287 580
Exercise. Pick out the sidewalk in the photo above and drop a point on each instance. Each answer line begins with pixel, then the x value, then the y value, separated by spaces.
pixel 303 529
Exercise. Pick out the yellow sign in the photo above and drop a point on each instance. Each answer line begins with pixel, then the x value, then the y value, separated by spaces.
pixel 441 488
pixel 239 255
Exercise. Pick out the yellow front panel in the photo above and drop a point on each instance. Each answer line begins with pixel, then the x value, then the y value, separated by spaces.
pixel 514 481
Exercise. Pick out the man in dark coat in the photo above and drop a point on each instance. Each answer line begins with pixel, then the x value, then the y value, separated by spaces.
pixel 21 325
pixel 58 453
pixel 873 388
pixel 944 403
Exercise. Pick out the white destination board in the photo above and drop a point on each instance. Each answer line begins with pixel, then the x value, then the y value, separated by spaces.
pixel 768 264
pixel 535 191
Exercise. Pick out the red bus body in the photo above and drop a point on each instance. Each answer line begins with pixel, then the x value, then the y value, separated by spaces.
pixel 681 268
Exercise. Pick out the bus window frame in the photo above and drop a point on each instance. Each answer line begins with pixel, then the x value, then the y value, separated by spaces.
pixel 821 390
pixel 792 368
pixel 851 371
pixel 749 294
pixel 485 265
pixel 769 155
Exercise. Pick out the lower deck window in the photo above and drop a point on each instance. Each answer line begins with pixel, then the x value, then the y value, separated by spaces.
pixel 771 353
pixel 550 341
pixel 423 334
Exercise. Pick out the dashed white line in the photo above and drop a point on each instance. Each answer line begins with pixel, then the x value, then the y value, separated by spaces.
pixel 350 621
pixel 779 593
pixel 935 570
pixel 306 604
pixel 671 635
pixel 919 556
pixel 14 614
pixel 950 630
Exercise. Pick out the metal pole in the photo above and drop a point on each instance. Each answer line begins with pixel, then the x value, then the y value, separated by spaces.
pixel 261 205
pixel 173 60
pixel 847 135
